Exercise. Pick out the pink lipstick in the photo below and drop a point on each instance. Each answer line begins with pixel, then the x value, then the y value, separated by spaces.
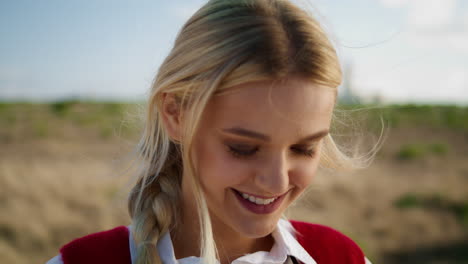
pixel 259 208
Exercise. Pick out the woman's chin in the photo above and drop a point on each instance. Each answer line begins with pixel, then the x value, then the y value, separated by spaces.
pixel 257 229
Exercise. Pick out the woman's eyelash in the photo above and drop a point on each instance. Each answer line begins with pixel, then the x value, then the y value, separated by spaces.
pixel 247 152
pixel 307 152
pixel 242 152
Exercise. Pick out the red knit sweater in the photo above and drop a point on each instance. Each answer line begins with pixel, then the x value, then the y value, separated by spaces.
pixel 325 245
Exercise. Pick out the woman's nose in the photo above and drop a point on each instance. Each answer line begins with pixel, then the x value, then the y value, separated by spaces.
pixel 273 175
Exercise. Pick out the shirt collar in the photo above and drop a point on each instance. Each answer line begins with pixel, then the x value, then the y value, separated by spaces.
pixel 285 236
pixel 285 244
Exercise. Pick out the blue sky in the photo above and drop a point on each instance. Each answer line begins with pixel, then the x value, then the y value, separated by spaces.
pixel 400 50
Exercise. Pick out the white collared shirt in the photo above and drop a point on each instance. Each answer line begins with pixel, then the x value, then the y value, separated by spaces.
pixel 285 245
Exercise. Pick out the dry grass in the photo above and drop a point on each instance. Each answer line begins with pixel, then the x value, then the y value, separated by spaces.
pixel 52 195
pixel 59 179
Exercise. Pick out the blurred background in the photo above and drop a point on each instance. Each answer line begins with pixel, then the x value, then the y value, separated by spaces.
pixel 74 76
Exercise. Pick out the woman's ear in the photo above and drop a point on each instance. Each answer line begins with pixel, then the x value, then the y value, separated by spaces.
pixel 172 116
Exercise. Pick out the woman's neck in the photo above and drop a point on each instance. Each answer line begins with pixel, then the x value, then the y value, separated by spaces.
pixel 232 245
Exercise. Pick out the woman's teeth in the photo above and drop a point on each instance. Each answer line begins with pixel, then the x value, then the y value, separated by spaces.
pixel 257 200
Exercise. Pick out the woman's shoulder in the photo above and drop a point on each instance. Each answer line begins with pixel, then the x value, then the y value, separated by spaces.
pixel 318 232
pixel 326 243
pixel 100 247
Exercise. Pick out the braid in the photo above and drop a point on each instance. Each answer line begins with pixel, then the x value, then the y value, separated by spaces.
pixel 153 206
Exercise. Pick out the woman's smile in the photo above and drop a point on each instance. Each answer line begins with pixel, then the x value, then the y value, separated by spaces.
pixel 259 204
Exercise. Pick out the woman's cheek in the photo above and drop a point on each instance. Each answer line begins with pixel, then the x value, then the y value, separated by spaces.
pixel 304 173
pixel 227 169
pixel 238 170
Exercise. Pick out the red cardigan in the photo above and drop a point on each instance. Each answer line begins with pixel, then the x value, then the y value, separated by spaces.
pixel 324 244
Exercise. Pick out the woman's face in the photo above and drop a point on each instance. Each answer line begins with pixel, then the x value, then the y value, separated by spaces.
pixel 257 149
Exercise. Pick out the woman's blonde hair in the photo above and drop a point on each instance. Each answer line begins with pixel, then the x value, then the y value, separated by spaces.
pixel 224 44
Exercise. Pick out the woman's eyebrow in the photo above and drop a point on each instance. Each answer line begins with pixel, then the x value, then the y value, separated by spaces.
pixel 315 136
pixel 239 131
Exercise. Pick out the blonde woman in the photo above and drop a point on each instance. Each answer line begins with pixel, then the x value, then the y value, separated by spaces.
pixel 237 124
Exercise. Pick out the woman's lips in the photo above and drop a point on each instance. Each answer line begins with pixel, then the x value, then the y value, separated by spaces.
pixel 272 203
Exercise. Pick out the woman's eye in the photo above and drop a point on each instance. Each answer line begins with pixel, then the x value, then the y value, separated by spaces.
pixel 307 152
pixel 242 152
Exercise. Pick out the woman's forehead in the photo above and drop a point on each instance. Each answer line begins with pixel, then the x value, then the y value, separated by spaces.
pixel 269 106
